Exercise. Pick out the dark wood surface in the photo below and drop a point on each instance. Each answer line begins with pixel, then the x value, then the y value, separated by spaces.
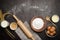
pixel 26 9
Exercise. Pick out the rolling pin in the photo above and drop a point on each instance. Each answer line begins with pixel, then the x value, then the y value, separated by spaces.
pixel 24 28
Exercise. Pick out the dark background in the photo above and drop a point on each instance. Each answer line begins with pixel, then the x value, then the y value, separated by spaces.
pixel 26 10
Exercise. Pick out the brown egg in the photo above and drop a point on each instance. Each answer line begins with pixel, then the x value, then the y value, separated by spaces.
pixel 49 27
pixel 48 32
pixel 54 32
pixel 51 34
pixel 53 28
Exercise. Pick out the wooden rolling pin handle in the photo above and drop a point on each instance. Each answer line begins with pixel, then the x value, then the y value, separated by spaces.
pixel 24 28
pixel 32 38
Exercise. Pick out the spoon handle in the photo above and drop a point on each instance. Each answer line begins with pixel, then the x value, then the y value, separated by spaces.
pixel 1 16
pixel 53 23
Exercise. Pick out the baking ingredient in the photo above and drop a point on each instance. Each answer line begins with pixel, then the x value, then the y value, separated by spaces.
pixel 54 32
pixel 38 23
pixel 55 18
pixel 4 24
pixel 48 32
pixel 51 34
pixel 13 26
pixel 51 30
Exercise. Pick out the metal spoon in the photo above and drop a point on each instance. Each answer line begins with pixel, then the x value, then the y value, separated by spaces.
pixel 48 19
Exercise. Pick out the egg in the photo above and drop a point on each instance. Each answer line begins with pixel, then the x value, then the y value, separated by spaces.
pixel 51 31
pixel 49 28
pixel 54 32
pixel 51 34
pixel 48 32
pixel 53 28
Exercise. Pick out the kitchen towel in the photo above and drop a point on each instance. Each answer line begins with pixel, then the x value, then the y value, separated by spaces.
pixel 23 36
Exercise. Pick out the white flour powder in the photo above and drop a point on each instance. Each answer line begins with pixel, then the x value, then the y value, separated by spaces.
pixel 38 23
